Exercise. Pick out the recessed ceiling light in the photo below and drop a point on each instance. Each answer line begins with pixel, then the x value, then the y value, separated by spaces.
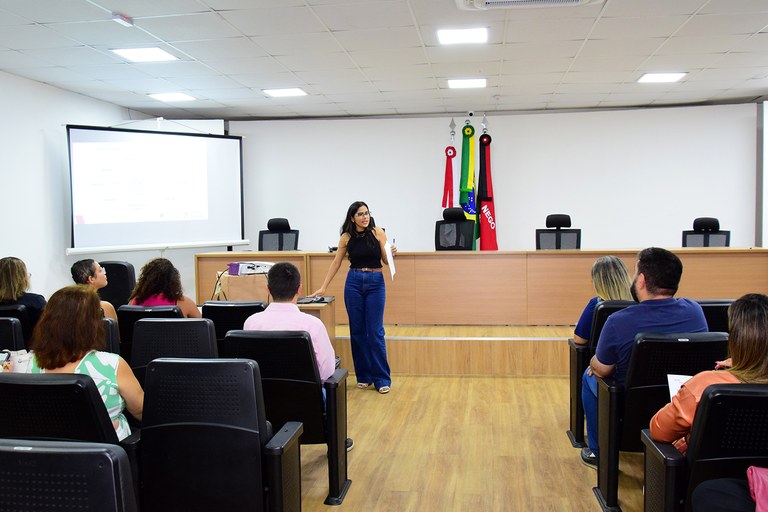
pixel 660 78
pixel 466 83
pixel 122 19
pixel 463 36
pixel 284 93
pixel 172 97
pixel 144 54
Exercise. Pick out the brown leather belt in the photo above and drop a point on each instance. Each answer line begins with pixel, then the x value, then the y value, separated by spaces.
pixel 364 269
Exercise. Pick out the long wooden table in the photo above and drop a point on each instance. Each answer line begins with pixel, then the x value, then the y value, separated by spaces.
pixel 502 288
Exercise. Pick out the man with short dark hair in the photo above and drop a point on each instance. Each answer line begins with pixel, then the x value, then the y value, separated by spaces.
pixel 284 286
pixel 656 280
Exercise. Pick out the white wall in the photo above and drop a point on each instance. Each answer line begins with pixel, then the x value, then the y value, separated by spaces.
pixel 35 180
pixel 629 179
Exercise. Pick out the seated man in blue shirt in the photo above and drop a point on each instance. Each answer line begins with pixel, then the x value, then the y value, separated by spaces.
pixel 657 277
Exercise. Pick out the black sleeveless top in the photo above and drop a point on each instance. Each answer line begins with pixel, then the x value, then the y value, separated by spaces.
pixel 364 251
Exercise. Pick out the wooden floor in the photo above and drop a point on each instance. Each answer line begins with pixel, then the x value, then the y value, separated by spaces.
pixel 458 443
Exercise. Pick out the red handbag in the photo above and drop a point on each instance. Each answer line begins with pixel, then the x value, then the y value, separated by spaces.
pixel 758 487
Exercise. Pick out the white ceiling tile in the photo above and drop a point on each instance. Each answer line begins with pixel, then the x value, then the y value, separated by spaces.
pixel 543 65
pixel 112 72
pixel 105 33
pixel 267 80
pixel 191 27
pixel 743 60
pixel 335 60
pixel 679 63
pixel 365 15
pixel 145 86
pixel 625 63
pixel 328 76
pixel 219 49
pixel 12 59
pixel 634 8
pixel 613 48
pixel 448 54
pixel 144 8
pixel 708 24
pixel 174 69
pixel 59 11
pixel 298 44
pixel 405 85
pixel 754 43
pixel 246 66
pixel 49 74
pixel 76 56
pixel 274 20
pixel 731 6
pixel 230 5
pixel 195 83
pixel 25 37
pixel 631 28
pixel 387 58
pixel 541 49
pixel 547 30
pixel 345 89
pixel 701 44
pixel 600 77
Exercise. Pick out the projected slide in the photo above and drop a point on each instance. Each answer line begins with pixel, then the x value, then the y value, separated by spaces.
pixel 143 188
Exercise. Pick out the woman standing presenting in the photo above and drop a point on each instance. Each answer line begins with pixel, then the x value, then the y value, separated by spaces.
pixel 364 295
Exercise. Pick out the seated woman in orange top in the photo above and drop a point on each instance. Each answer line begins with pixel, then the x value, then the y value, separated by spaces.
pixel 748 349
pixel 159 284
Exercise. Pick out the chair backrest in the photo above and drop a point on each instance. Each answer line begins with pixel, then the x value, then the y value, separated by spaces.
pixel 558 237
pixel 716 313
pixel 112 336
pixel 121 280
pixel 53 406
pixel 171 337
pixel 60 475
pixel 603 310
pixel 290 378
pixel 19 311
pixel 455 232
pixel 128 315
pixel 729 433
pixel 230 315
pixel 279 236
pixel 653 358
pixel 706 233
pixel 202 434
pixel 11 337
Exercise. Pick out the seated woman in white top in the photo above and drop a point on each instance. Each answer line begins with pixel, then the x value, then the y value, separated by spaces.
pixel 69 338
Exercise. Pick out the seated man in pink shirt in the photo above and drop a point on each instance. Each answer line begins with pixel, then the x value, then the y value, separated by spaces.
pixel 284 286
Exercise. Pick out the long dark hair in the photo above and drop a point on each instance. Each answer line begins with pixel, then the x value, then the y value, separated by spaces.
pixel 158 276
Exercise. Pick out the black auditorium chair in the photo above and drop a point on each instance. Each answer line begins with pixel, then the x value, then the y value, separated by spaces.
pixel 58 406
pixel 716 313
pixel 729 434
pixel 230 315
pixel 121 280
pixel 192 338
pixel 111 336
pixel 278 236
pixel 293 392
pixel 128 315
pixel 19 311
pixel 455 232
pixel 580 355
pixel 206 444
pixel 62 475
pixel 558 237
pixel 706 233
pixel 624 410
pixel 11 337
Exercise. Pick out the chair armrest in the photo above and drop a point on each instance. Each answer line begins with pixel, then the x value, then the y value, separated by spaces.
pixel 131 445
pixel 339 376
pixel 665 470
pixel 579 347
pixel 610 411
pixel 578 360
pixel 282 467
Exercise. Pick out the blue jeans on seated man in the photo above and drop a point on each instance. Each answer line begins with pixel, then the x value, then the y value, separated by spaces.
pixel 589 399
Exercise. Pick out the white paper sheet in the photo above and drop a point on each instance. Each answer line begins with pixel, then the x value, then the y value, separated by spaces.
pixel 675 381
pixel 390 259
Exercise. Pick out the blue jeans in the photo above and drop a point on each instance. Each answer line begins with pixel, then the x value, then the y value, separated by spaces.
pixel 589 399
pixel 364 295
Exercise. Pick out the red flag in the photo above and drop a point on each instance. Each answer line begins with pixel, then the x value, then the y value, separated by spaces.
pixel 486 213
pixel 450 152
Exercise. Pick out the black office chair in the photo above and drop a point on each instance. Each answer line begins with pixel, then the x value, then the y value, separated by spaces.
pixel 716 313
pixel 171 337
pixel 706 233
pixel 128 315
pixel 455 232
pixel 293 392
pixel 579 357
pixel 11 337
pixel 206 444
pixel 19 311
pixel 112 336
pixel 729 434
pixel 625 409
pixel 60 475
pixel 230 315
pixel 559 237
pixel 121 280
pixel 278 236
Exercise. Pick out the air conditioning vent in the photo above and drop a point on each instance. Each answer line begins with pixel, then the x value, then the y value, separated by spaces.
pixel 473 5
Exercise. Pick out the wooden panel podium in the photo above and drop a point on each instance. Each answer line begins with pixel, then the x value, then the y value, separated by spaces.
pixel 502 287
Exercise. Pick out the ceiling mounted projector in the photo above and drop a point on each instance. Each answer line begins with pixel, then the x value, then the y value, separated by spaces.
pixel 473 5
